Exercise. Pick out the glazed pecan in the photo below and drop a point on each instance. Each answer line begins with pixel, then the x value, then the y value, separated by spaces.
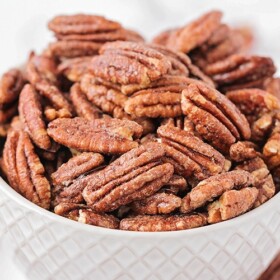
pixel 129 63
pixel 215 186
pixel 163 223
pixel 31 115
pixel 83 107
pixel 159 203
pixel 232 204
pixel 176 185
pixel 272 85
pixel 83 214
pixel 243 150
pixel 240 71
pixel 26 173
pixel 110 136
pixel 190 156
pixel 253 103
pixel 263 180
pixel 133 176
pixel 11 85
pixel 195 33
pixel 216 118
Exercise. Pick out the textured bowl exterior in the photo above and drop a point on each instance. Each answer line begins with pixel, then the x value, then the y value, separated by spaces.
pixel 47 246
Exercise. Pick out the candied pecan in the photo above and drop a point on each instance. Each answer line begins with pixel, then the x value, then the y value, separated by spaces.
pixel 271 150
pixel 83 214
pixel 231 204
pixel 26 172
pixel 176 185
pixel 215 186
pixel 110 136
pixel 11 85
pixel 243 150
pixel 135 175
pixel 129 63
pixel 159 203
pixel 153 103
pixel 30 111
pixel 195 33
pixel 272 85
pixel 240 71
pixel 190 156
pixel 74 68
pixel 253 103
pixel 216 118
pixel 263 180
pixel 161 38
pixel 75 167
pixel 82 105
pixel 81 24
pixel 7 113
pixel 163 223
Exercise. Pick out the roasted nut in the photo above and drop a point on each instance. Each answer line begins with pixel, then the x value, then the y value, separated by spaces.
pixel 232 204
pixel 243 150
pixel 215 186
pixel 110 136
pixel 163 223
pixel 176 185
pixel 26 173
pixel 190 156
pixel 11 85
pixel 83 214
pixel 82 105
pixel 216 118
pixel 195 33
pixel 272 85
pixel 129 63
pixel 263 180
pixel 239 71
pixel 133 176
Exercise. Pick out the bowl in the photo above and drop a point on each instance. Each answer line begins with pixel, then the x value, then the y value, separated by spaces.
pixel 47 246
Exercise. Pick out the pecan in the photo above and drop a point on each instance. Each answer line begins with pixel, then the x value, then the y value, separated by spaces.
pixel 82 105
pixel 263 180
pixel 74 68
pixel 189 155
pixel 243 150
pixel 84 214
pixel 176 185
pixel 163 223
pixel 133 176
pixel 271 150
pixel 11 85
pixel 110 136
pixel 30 111
pixel 272 85
pixel 215 186
pixel 75 167
pixel 232 204
pixel 195 33
pixel 253 103
pixel 159 203
pixel 26 172
pixel 216 118
pixel 161 38
pixel 240 71
pixel 129 63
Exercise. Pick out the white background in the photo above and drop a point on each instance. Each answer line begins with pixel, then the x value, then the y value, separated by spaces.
pixel 23 28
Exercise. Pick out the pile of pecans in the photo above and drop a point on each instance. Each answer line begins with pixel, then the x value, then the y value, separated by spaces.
pixel 108 130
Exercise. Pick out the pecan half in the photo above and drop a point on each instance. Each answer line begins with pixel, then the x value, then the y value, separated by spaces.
pixel 243 150
pixel 129 63
pixel 232 204
pixel 195 33
pixel 133 176
pixel 176 185
pixel 263 180
pixel 272 85
pixel 271 150
pixel 215 186
pixel 240 71
pixel 216 118
pixel 11 85
pixel 189 155
pixel 163 223
pixel 26 172
pixel 83 214
pixel 110 136
pixel 159 203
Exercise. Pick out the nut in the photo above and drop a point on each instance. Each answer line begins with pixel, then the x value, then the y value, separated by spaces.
pixel 163 223
pixel 272 85
pixel 243 150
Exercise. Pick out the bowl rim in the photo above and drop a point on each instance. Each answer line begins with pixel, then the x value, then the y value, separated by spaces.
pixel 236 222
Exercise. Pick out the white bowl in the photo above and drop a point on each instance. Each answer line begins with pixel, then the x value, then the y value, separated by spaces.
pixel 47 246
